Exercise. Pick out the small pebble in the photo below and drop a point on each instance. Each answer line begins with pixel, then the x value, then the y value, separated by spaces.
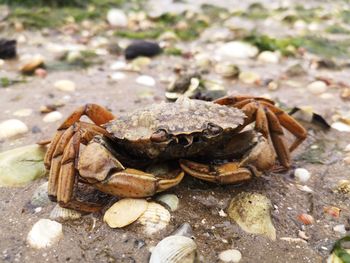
pixel 53 116
pixel 32 64
pixel 23 113
pixel 236 49
pixel 268 57
pixel 317 87
pixel 302 175
pixel 347 159
pixel 118 65
pixel 12 127
pixel 249 77
pixel 347 148
pixel 340 126
pixel 340 229
pixel 44 233
pixel 146 80
pixel 118 76
pixel 40 72
pixel 65 85
pixel 117 18
pixel 142 48
pixel 230 255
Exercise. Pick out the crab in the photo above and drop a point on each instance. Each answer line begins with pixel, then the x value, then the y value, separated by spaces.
pixel 207 140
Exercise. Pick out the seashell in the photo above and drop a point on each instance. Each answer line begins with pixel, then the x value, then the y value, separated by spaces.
pixel 305 188
pixel 230 255
pixel 23 113
pixel 251 212
pixel 249 77
pixel 302 175
pixel 332 211
pixel 117 18
pixel 171 200
pixel 227 69
pixel 21 165
pixel 52 116
pixel 61 213
pixel 146 80
pixel 124 212
pixel 340 229
pixel 44 233
pixel 118 76
pixel 155 218
pixel 65 85
pixel 269 57
pixel 317 87
pixel 12 127
pixel 32 64
pixel 343 187
pixel 306 219
pixel 40 196
pixel 184 230
pixel 303 235
pixel 341 126
pixel 175 249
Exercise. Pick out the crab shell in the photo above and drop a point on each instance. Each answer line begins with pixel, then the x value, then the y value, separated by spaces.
pixel 185 128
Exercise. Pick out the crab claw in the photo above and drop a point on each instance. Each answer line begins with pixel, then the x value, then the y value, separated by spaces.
pixel 260 158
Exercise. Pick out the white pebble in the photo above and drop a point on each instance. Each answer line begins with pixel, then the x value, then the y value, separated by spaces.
pixel 249 77
pixel 230 255
pixel 341 126
pixel 302 175
pixel 340 229
pixel 268 57
pixel 347 148
pixel 317 87
pixel 65 85
pixel 146 80
pixel 12 127
pixel 52 116
pixel 118 76
pixel 44 234
pixel 118 65
pixel 236 49
pixel 23 112
pixel 117 17
pixel 347 159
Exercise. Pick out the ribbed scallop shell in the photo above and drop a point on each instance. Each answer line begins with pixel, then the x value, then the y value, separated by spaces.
pixel 60 213
pixel 40 196
pixel 155 218
pixel 175 249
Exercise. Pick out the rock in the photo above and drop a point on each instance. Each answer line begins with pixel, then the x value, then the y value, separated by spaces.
pixel 230 255
pixel 184 230
pixel 44 234
pixel 236 49
pixel 302 175
pixel 8 48
pixel 296 70
pixel 269 57
pixel 146 80
pixel 227 70
pixel 11 128
pixel 40 72
pixel 52 116
pixel 142 48
pixel 21 165
pixel 31 64
pixel 65 85
pixel 317 87
pixel 117 18
pixel 249 77
pixel 168 36
pixel 118 76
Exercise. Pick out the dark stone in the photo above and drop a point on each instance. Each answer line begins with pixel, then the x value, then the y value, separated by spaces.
pixel 7 48
pixel 142 48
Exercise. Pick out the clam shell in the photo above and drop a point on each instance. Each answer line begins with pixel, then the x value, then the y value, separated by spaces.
pixel 60 213
pixel 125 212
pixel 44 233
pixel 12 127
pixel 175 249
pixel 170 200
pixel 306 219
pixel 40 196
pixel 155 218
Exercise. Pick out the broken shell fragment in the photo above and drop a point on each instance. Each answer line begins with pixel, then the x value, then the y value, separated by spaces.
pixel 251 212
pixel 155 218
pixel 170 200
pixel 12 127
pixel 40 196
pixel 44 234
pixel 306 219
pixel 175 249
pixel 61 213
pixel 125 212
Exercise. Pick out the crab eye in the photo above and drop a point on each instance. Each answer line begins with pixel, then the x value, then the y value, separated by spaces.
pixel 159 136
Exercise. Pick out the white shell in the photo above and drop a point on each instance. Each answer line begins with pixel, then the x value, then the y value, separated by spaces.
pixel 117 17
pixel 171 200
pixel 268 57
pixel 60 213
pixel 65 85
pixel 248 77
pixel 40 196
pixel 52 116
pixel 302 175
pixel 230 255
pixel 174 249
pixel 155 218
pixel 341 126
pixel 317 87
pixel 12 127
pixel 23 112
pixel 146 80
pixel 124 212
pixel 236 49
pixel 118 76
pixel 44 233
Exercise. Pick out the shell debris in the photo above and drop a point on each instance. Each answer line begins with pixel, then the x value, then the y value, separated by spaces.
pixel 155 218
pixel 44 233
pixel 60 213
pixel 170 200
